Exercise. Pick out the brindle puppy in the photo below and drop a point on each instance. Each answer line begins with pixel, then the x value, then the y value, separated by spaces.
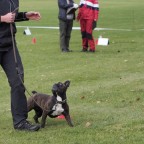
pixel 45 105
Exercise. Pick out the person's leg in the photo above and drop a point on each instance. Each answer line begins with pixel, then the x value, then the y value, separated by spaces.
pixel 89 34
pixel 18 98
pixel 62 30
pixel 68 33
pixel 83 33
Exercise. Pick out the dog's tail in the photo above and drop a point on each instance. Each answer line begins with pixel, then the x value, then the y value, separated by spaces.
pixel 34 92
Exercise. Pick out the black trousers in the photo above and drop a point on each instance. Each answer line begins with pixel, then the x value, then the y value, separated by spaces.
pixel 18 98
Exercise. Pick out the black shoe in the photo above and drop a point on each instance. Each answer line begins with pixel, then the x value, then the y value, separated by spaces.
pixel 84 50
pixel 64 51
pixel 26 126
pixel 67 50
pixel 91 50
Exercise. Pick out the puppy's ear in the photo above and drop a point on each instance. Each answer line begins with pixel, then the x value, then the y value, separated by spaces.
pixel 67 83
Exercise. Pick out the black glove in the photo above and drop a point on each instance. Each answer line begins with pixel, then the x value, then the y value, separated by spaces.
pixel 94 25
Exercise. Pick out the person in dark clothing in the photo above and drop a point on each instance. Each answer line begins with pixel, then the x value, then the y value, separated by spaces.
pixel 66 22
pixel 9 14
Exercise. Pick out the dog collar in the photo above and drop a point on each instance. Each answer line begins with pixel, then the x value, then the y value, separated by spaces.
pixel 61 102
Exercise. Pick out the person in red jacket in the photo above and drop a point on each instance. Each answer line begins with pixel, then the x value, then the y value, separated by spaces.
pixel 88 17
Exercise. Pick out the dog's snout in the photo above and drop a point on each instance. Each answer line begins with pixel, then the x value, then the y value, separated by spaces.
pixel 54 88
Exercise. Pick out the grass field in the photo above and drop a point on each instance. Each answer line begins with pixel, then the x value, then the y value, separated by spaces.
pixel 106 95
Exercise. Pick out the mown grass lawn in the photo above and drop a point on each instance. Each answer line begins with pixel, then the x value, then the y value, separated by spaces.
pixel 107 87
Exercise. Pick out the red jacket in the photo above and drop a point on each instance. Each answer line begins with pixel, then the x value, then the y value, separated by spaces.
pixel 88 9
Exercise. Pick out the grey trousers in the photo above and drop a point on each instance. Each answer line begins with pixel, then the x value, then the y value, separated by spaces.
pixel 18 98
pixel 65 28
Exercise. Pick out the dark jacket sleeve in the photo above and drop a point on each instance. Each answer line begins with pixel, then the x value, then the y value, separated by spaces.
pixel 21 16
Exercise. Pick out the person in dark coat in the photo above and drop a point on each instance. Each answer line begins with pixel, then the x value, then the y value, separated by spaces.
pixel 66 18
pixel 13 67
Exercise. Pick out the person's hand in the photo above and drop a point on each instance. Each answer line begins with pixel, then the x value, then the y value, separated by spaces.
pixel 77 19
pixel 94 24
pixel 8 18
pixel 75 6
pixel 33 15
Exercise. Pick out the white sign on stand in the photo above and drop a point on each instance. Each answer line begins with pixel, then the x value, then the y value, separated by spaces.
pixel 103 41
pixel 27 31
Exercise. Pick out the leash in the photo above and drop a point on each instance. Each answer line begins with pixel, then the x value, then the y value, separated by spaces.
pixel 18 72
pixel 15 58
pixel 17 67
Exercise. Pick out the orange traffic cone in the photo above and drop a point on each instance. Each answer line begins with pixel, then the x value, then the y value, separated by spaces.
pixel 33 40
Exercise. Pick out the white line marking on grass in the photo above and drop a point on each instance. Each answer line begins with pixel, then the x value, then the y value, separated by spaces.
pixel 74 28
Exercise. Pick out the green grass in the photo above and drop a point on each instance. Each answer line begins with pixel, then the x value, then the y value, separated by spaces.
pixel 107 87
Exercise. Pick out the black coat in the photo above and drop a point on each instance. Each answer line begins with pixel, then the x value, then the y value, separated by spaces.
pixel 63 6
pixel 7 6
